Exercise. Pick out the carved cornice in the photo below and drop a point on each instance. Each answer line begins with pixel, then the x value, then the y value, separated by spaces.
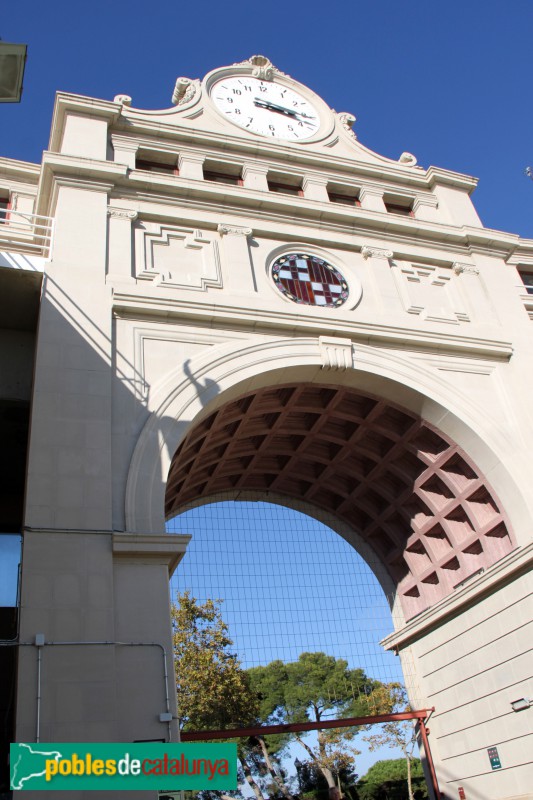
pixel 232 230
pixel 467 269
pixel 375 252
pixel 121 213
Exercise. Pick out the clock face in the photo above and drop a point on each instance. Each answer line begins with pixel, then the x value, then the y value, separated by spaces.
pixel 267 108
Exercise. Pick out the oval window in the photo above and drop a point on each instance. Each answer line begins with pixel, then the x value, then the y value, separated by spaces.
pixel 310 280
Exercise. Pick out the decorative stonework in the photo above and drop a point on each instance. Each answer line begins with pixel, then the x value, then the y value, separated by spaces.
pixel 121 213
pixel 375 252
pixel 179 257
pixel 233 230
pixel 408 159
pixel 336 353
pixel 430 292
pixel 347 121
pixel 184 91
pixel 405 487
pixel 263 68
pixel 467 269
pixel 123 99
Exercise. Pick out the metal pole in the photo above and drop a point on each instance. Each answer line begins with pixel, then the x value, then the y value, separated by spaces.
pixel 429 758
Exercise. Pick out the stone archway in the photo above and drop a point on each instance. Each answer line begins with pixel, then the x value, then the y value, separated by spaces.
pixel 409 491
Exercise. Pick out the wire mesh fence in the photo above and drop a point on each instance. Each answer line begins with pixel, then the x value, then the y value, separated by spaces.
pixel 288 584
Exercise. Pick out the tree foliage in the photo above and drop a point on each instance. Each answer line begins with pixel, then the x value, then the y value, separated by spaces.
pixel 392 698
pixel 387 780
pixel 213 691
pixel 315 686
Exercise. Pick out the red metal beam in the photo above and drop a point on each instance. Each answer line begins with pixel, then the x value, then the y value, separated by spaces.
pixel 266 730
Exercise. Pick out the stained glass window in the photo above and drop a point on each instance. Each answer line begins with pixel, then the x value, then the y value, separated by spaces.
pixel 309 280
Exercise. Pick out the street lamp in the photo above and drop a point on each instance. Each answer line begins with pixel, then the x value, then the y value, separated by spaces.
pixel 12 63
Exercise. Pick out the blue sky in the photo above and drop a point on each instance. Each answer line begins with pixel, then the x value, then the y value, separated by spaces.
pixel 449 82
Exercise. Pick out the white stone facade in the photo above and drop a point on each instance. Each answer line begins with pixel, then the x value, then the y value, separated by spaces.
pixel 159 310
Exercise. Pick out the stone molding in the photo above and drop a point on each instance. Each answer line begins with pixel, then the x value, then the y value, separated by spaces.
pixel 164 548
pixel 411 338
pixel 425 200
pixel 313 180
pixel 233 230
pixel 375 252
pixel 121 213
pixel 370 191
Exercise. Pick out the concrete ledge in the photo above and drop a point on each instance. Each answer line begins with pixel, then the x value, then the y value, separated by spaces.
pixel 166 548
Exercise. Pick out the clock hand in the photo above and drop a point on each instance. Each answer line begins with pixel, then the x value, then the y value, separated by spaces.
pixel 274 107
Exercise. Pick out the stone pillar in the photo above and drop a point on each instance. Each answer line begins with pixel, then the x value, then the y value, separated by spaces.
pixel 237 267
pixel 315 188
pixel 125 150
pixel 254 176
pixel 427 208
pixel 190 165
pixel 384 288
pixel 119 248
pixel 372 199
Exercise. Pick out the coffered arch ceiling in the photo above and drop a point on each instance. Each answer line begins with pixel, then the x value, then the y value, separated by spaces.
pixel 405 488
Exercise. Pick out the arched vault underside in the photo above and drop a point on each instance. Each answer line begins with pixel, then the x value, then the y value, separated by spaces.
pixel 406 489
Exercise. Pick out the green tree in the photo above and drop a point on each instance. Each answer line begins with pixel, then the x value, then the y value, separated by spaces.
pixel 392 698
pixel 308 689
pixel 214 692
pixel 387 780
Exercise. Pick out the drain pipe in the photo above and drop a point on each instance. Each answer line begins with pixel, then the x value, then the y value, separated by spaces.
pixel 40 642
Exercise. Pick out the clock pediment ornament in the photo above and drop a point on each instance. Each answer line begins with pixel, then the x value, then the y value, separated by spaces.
pixel 263 68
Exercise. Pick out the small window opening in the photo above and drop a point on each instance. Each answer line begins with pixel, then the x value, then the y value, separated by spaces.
pixel 343 196
pixel 228 174
pixel 222 177
pixel 285 188
pixel 527 280
pixel 161 167
pixel 4 209
pixel 403 208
